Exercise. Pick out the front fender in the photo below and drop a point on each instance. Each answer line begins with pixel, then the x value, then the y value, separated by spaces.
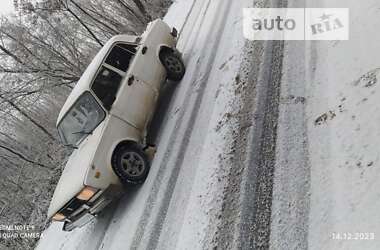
pixel 100 174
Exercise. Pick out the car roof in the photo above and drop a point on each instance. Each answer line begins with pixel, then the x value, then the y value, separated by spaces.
pixel 86 79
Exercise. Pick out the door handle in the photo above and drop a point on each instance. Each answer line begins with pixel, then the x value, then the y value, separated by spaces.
pixel 131 79
pixel 144 49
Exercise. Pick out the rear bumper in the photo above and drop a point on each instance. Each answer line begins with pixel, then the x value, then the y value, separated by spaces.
pixel 87 211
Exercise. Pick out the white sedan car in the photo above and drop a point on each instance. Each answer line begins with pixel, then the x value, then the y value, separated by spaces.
pixel 105 120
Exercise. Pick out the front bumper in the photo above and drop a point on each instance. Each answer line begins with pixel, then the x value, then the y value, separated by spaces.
pixel 80 213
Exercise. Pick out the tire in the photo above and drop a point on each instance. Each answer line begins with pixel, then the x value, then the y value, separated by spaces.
pixel 173 65
pixel 130 164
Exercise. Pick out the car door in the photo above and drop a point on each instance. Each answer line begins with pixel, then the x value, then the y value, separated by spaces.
pixel 157 34
pixel 127 98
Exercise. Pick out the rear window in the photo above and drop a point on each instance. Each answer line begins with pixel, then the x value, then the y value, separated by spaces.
pixel 107 81
pixel 121 55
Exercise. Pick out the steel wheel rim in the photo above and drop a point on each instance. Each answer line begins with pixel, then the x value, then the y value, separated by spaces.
pixel 132 164
pixel 173 64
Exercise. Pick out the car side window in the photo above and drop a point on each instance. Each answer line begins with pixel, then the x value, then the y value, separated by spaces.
pixel 108 80
pixel 121 55
pixel 106 85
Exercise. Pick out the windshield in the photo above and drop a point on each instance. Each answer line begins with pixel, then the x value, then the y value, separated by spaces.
pixel 83 117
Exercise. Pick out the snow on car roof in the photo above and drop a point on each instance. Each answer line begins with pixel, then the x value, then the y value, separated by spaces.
pixel 85 81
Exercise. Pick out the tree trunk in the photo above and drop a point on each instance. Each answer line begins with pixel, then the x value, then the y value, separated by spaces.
pixel 21 156
pixel 142 9
pixel 93 18
pixel 131 11
pixel 13 105
pixel 85 26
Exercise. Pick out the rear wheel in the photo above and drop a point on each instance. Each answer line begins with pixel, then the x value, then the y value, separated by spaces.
pixel 130 164
pixel 173 64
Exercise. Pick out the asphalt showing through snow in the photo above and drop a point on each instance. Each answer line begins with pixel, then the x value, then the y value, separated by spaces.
pixel 257 193
pixel 262 162
pixel 246 211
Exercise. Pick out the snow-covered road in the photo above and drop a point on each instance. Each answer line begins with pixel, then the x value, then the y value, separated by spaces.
pixel 262 145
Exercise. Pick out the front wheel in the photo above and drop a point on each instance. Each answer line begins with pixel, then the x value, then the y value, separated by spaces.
pixel 173 64
pixel 130 164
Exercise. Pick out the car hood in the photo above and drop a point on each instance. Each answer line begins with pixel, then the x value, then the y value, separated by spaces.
pixel 74 174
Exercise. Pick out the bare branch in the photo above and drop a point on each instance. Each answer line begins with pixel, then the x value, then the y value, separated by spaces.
pixel 21 156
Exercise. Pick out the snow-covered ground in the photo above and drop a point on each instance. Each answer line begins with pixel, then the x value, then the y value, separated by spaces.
pixel 211 180
pixel 344 155
pixel 327 174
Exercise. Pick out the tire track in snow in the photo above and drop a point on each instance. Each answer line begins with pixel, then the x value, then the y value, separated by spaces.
pixel 201 81
pixel 139 233
pixel 258 185
pixel 218 22
pixel 257 193
pixel 246 211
